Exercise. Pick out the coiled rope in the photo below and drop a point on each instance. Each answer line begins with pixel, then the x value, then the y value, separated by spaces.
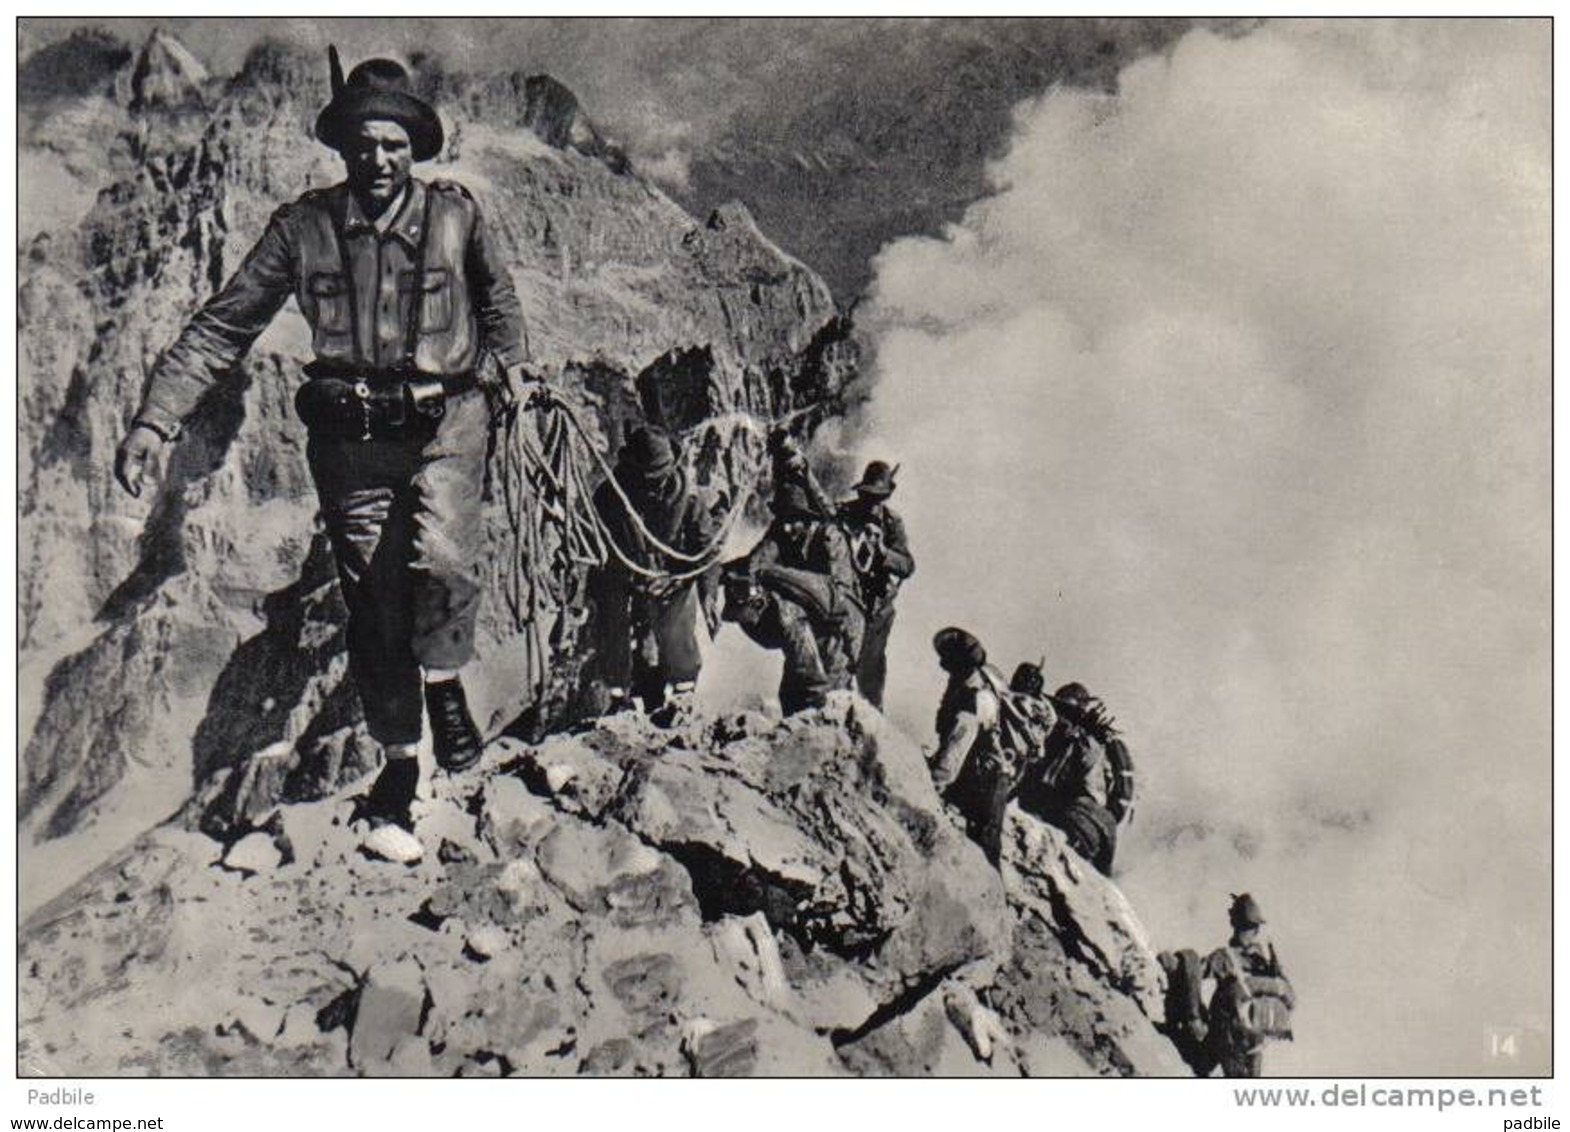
pixel 548 498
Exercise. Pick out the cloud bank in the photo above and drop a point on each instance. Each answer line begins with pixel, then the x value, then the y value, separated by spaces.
pixel 1232 400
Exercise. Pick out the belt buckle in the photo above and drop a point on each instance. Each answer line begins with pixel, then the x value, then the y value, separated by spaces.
pixel 362 390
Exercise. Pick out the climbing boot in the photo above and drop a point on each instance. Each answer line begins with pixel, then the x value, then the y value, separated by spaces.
pixel 392 794
pixel 453 735
pixel 678 708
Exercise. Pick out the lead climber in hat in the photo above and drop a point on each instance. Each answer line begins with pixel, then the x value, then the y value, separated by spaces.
pixel 407 295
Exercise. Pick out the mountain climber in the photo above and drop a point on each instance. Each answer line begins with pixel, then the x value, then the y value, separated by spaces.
pixel 1253 999
pixel 880 553
pixel 405 292
pixel 1070 785
pixel 798 592
pixel 645 627
pixel 968 767
pixel 1184 1009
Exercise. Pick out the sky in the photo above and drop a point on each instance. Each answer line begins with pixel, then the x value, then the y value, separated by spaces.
pixel 1231 399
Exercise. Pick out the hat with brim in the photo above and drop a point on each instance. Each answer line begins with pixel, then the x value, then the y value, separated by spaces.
pixel 379 89
pixel 648 453
pixel 958 650
pixel 877 480
pixel 1028 678
pixel 1245 912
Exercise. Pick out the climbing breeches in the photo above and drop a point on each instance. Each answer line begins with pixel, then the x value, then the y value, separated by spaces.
pixel 404 519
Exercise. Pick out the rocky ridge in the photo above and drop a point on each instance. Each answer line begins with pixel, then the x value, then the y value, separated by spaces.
pixel 727 897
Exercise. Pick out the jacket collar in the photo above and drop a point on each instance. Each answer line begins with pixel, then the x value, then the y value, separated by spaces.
pixel 406 224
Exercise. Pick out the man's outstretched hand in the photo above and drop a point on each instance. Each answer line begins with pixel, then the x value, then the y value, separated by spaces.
pixel 140 448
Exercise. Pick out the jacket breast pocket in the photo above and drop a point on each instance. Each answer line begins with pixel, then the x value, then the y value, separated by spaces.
pixel 433 291
pixel 328 302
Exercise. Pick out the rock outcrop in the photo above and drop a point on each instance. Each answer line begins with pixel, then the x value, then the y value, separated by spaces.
pixel 193 638
pixel 727 897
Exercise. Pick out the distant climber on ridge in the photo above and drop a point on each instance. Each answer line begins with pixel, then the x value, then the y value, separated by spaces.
pixel 405 294
pixel 987 733
pixel 1253 999
pixel 880 553
pixel 1081 784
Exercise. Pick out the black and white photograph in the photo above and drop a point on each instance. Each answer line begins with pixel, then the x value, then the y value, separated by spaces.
pixel 794 547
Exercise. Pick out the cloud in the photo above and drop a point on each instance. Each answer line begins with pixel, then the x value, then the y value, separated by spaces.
pixel 1232 398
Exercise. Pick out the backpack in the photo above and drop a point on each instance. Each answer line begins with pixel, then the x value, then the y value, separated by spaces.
pixel 1185 1000
pixel 1248 1008
pixel 1094 720
pixel 1024 721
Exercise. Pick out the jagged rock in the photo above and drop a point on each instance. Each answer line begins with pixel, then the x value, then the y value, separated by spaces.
pixel 83 63
pixel 485 941
pixel 1046 878
pixel 166 74
pixel 800 903
pixel 587 865
pixel 921 1042
pixel 748 944
pixel 982 1029
pixel 722 1051
pixel 260 1020
pixel 389 1010
pixel 798 842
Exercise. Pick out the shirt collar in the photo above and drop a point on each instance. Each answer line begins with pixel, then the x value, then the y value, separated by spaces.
pixel 407 215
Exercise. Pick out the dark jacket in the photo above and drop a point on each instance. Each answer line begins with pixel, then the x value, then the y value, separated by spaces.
pixel 881 563
pixel 357 288
pixel 672 513
pixel 817 548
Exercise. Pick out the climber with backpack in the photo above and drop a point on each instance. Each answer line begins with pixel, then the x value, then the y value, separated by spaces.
pixel 1253 999
pixel 987 731
pixel 1084 782
pixel 1184 1021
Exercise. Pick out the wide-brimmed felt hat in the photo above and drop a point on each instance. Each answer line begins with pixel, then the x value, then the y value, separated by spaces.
pixel 877 480
pixel 958 649
pixel 378 88
pixel 1245 912
pixel 1028 678
pixel 1073 691
pixel 648 453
